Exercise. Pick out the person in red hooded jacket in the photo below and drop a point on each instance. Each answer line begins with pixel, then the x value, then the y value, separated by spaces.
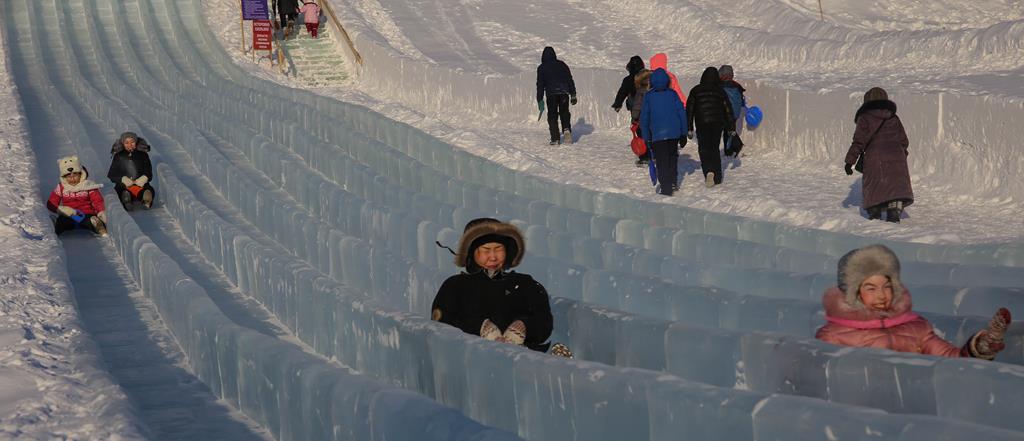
pixel 660 61
pixel 77 200
pixel 870 308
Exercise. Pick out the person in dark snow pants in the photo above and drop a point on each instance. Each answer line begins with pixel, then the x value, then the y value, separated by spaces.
pixel 488 299
pixel 882 141
pixel 288 10
pixel 709 110
pixel 131 171
pixel 554 82
pixel 662 121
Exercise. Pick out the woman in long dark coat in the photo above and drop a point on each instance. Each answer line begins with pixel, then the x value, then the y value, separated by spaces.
pixel 883 142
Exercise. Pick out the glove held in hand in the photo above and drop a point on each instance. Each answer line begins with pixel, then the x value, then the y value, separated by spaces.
pixel 516 333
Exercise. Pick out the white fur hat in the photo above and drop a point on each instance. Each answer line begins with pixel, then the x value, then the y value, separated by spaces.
pixel 861 263
pixel 68 165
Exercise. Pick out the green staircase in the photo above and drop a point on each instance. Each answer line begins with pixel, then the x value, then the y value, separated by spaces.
pixel 314 62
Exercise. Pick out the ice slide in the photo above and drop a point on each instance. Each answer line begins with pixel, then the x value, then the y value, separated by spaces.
pixel 349 196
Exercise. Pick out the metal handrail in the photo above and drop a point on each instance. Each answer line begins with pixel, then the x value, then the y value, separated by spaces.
pixel 330 13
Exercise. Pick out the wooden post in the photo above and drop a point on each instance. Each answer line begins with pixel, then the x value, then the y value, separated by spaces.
pixel 821 12
pixel 241 23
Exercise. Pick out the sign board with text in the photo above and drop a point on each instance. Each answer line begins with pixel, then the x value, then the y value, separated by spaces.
pixel 255 10
pixel 261 35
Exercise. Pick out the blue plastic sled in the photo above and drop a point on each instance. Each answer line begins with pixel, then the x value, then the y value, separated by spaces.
pixel 78 217
pixel 754 117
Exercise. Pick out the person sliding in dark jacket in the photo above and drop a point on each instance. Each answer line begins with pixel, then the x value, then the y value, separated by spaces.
pixel 709 107
pixel 662 121
pixel 628 87
pixel 487 299
pixel 130 171
pixel 554 81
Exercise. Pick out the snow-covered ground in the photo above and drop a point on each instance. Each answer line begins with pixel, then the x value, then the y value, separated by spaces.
pixel 53 382
pixel 965 181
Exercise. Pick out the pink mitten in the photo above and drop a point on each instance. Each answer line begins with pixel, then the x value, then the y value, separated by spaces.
pixel 989 341
pixel 489 330
pixel 515 333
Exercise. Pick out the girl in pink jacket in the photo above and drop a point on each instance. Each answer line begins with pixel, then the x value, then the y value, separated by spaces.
pixel 311 15
pixel 871 308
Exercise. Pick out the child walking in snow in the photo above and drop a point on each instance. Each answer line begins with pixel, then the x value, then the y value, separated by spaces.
pixel 642 84
pixel 870 308
pixel 311 15
pixel 738 101
pixel 663 123
pixel 77 200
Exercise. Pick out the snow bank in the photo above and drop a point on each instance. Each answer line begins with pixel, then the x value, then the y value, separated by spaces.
pixel 961 142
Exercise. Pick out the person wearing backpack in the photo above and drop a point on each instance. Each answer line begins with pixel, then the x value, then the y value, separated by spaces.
pixel 663 123
pixel 738 102
pixel 880 142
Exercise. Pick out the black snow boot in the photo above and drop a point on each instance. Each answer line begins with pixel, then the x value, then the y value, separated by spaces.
pixel 875 213
pixel 893 215
pixel 126 200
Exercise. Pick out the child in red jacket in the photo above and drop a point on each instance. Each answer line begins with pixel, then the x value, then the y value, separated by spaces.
pixel 77 200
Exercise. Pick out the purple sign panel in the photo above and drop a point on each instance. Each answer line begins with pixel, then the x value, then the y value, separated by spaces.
pixel 255 10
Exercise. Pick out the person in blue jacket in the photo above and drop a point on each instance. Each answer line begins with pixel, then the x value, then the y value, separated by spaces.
pixel 663 125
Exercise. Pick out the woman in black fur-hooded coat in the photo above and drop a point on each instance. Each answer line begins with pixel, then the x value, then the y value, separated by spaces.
pixel 488 299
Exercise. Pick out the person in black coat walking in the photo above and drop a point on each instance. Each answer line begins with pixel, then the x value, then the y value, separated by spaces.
pixel 489 300
pixel 708 106
pixel 628 87
pixel 131 171
pixel 554 81
pixel 288 10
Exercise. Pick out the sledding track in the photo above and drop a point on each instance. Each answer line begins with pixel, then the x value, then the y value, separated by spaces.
pixel 320 201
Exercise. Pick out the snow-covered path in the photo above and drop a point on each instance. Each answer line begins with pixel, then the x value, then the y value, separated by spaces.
pixel 796 181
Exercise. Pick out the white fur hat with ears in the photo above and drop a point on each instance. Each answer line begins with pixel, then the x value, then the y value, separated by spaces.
pixel 861 263
pixel 68 165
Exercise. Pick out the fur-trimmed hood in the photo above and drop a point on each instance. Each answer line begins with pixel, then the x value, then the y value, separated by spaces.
pixel 857 265
pixel 875 105
pixel 140 143
pixel 642 80
pixel 481 231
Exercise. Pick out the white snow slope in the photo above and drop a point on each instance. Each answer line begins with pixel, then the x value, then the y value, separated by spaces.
pixel 462 71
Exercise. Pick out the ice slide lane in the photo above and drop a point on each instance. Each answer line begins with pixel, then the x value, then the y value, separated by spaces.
pixel 382 403
pixel 137 348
